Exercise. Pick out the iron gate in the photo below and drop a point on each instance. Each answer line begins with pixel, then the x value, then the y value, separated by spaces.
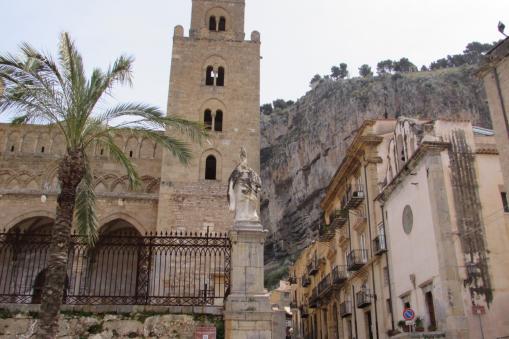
pixel 176 269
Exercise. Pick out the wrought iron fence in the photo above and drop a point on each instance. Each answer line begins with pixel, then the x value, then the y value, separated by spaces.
pixel 166 270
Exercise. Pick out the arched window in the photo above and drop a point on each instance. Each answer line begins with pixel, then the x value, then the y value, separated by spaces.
pixel 222 24
pixel 220 77
pixel 210 168
pixel 209 76
pixel 207 119
pixel 213 23
pixel 218 121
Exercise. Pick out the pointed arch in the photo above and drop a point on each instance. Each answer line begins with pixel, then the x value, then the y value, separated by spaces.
pixel 29 143
pixel 211 165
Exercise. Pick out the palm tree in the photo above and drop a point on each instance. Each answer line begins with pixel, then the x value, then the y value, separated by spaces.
pixel 60 94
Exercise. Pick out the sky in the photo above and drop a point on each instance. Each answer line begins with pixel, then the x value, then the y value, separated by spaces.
pixel 299 38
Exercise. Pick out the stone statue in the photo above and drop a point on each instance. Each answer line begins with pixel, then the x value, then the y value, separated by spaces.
pixel 244 187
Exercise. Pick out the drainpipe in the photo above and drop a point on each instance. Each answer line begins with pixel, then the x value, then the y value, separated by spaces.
pixel 501 97
pixel 354 311
pixel 388 268
pixel 371 247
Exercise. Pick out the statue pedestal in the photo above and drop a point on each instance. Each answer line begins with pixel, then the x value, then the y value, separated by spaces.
pixel 248 313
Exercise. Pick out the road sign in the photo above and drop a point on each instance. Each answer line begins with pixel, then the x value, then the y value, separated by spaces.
pixel 408 314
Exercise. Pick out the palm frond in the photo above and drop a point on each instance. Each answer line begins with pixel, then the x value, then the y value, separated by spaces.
pixel 85 216
pixel 118 155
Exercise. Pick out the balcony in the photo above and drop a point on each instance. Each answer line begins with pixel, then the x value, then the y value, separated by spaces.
pixel 344 235
pixel 339 218
pixel 325 287
pixel 305 281
pixel 313 266
pixel 356 259
pixel 326 232
pixel 379 245
pixel 313 299
pixel 345 309
pixel 339 276
pixel 304 311
pixel 363 298
pixel 354 197
pixel 293 305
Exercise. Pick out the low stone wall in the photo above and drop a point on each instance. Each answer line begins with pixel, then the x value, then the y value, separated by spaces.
pixel 105 326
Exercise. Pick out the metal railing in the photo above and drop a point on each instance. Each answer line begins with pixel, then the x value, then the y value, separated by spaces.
pixel 313 266
pixel 363 298
pixel 305 281
pixel 339 275
pixel 345 309
pixel 353 197
pixel 356 259
pixel 167 270
pixel 379 245
pixel 339 218
pixel 324 286
pixel 313 299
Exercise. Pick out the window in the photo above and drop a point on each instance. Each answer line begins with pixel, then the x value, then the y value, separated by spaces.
pixel 209 76
pixel 406 301
pixel 130 154
pixel 428 296
pixel 12 148
pixel 102 151
pixel 504 201
pixel 218 121
pixel 222 24
pixel 213 23
pixel 42 149
pixel 210 168
pixel 207 119
pixel 364 251
pixel 220 77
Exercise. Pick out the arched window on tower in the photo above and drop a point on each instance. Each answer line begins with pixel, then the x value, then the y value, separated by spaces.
pixel 222 24
pixel 218 121
pixel 220 77
pixel 207 119
pixel 210 168
pixel 213 23
pixel 209 76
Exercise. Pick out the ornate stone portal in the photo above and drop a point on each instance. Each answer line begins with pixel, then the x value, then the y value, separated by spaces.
pixel 248 314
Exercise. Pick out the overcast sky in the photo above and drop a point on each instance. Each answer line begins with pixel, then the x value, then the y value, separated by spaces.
pixel 299 38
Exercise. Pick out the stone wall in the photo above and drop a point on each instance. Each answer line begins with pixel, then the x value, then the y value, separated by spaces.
pixel 106 326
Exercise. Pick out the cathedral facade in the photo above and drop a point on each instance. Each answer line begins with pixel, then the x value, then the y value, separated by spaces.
pixel 215 79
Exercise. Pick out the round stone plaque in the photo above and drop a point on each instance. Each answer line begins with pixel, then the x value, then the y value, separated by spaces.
pixel 408 219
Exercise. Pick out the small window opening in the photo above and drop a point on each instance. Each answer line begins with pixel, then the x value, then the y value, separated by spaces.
pixel 505 202
pixel 222 24
pixel 207 120
pixel 209 76
pixel 213 23
pixel 42 149
pixel 12 148
pixel 130 154
pixel 220 77
pixel 218 121
pixel 102 151
pixel 210 168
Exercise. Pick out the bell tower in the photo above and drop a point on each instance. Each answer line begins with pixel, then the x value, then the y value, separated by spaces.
pixel 215 79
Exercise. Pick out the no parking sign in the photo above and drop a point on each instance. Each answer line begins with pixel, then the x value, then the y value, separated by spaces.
pixel 408 314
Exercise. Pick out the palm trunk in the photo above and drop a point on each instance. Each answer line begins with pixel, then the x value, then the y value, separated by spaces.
pixel 70 173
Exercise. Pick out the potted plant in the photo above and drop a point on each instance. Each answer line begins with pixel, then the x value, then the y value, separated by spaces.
pixel 419 324
pixel 404 327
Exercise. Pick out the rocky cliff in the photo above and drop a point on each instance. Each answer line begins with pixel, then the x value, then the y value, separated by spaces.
pixel 303 145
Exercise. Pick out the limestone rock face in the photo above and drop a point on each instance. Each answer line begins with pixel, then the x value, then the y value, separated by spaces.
pixel 303 145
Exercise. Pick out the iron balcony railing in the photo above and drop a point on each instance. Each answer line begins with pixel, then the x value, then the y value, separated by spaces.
pixel 293 304
pixel 339 275
pixel 313 266
pixel 305 281
pixel 325 287
pixel 353 197
pixel 379 245
pixel 313 299
pixel 326 232
pixel 345 309
pixel 356 259
pixel 363 298
pixel 121 269
pixel 339 217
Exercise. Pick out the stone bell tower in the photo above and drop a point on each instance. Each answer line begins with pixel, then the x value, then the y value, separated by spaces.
pixel 215 79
